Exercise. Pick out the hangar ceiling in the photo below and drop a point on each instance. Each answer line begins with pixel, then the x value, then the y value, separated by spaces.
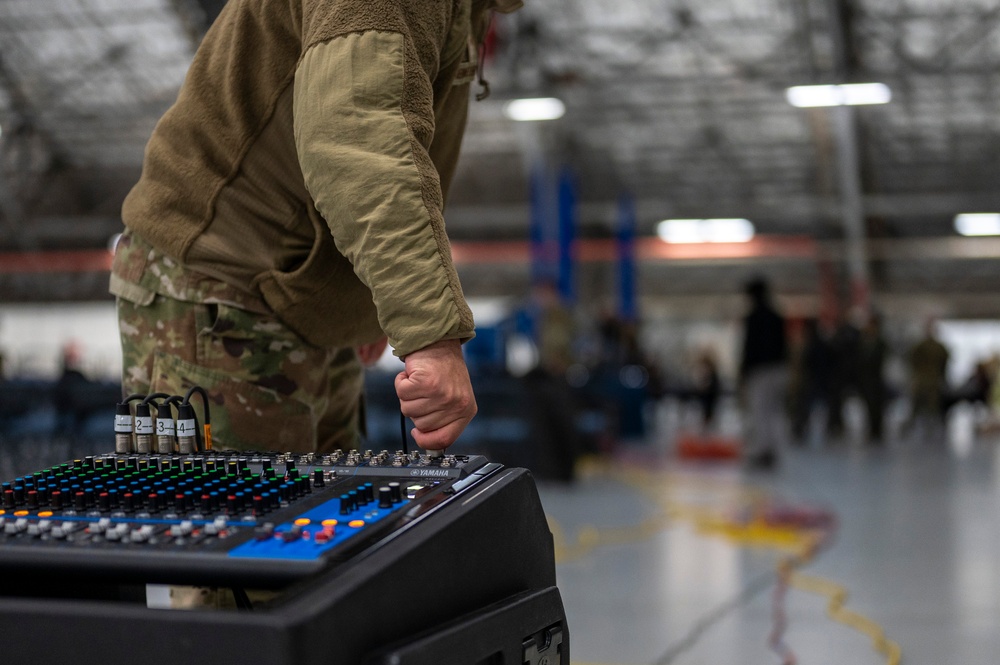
pixel 679 103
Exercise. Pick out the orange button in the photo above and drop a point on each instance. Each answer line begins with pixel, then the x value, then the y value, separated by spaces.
pixel 329 522
pixel 303 521
pixel 45 513
pixel 21 513
pixel 357 524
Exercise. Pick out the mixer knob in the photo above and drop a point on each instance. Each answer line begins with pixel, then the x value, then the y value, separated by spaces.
pixel 395 492
pixel 318 480
pixel 384 497
pixel 303 486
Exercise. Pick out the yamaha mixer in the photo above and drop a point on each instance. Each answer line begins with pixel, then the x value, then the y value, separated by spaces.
pixel 367 557
pixel 259 520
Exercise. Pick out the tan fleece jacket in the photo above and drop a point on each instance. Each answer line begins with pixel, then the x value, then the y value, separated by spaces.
pixel 307 160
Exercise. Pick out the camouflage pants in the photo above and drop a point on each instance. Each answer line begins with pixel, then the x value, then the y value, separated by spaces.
pixel 268 389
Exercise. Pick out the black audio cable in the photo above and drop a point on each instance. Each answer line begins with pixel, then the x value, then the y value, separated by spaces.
pixel 402 432
pixel 405 439
pixel 189 411
pixel 242 599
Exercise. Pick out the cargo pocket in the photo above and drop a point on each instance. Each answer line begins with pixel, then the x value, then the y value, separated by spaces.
pixel 244 416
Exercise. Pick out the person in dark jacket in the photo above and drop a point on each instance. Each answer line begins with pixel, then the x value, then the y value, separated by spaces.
pixel 763 377
pixel 873 352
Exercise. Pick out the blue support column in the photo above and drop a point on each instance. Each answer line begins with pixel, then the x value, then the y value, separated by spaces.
pixel 541 261
pixel 567 235
pixel 625 245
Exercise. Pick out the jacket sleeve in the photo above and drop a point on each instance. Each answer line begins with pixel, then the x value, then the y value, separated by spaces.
pixel 364 113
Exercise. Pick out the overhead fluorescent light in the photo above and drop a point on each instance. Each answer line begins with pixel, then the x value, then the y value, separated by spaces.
pixel 540 108
pixel 847 94
pixel 978 223
pixel 705 230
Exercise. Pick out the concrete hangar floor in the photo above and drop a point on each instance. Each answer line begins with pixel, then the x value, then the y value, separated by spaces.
pixel 843 554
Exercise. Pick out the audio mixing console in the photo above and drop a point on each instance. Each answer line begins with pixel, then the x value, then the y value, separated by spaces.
pixel 371 558
pixel 259 520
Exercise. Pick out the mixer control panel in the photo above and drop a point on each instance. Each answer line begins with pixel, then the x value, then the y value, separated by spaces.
pixel 223 518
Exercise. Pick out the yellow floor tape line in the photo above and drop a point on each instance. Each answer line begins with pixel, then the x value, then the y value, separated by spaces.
pixel 837 597
pixel 797 545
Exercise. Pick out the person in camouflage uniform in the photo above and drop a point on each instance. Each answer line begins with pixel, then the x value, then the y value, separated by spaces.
pixel 271 390
pixel 261 370
pixel 288 223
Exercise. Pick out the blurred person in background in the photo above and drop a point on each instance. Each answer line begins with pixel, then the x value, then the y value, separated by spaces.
pixel 928 360
pixel 554 328
pixel 69 394
pixel 873 351
pixel 843 379
pixel 763 376
pixel 706 387
pixel 813 370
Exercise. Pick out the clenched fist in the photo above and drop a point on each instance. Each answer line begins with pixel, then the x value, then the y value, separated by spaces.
pixel 436 394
